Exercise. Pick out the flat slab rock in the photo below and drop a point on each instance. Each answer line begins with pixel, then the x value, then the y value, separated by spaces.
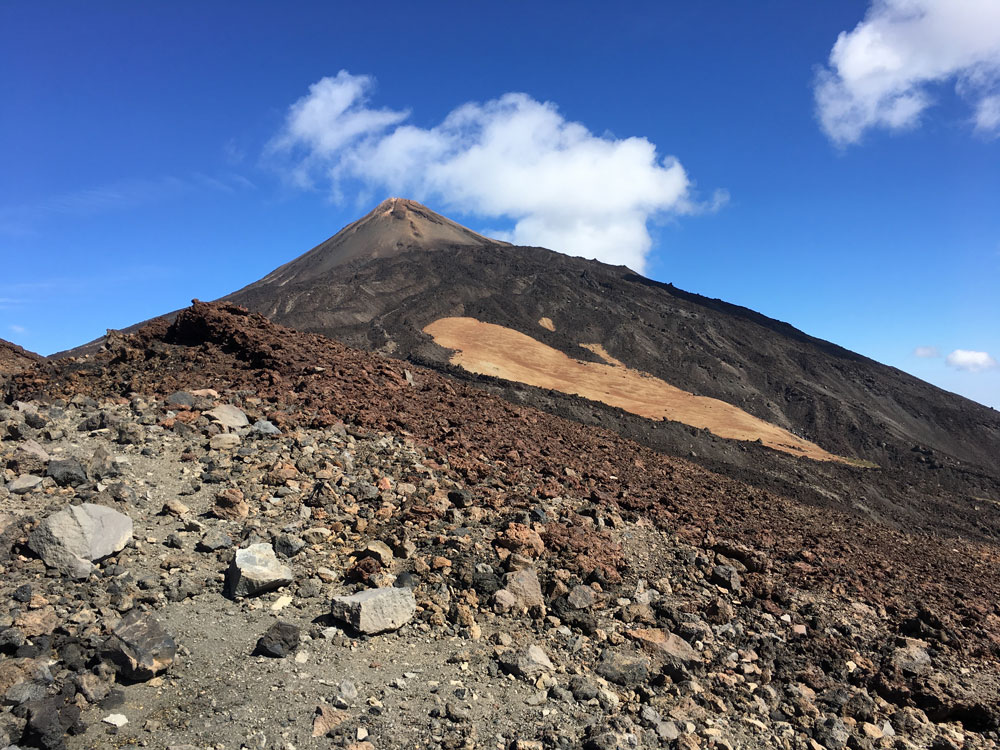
pixel 228 416
pixel 24 484
pixel 71 539
pixel 256 570
pixel 375 610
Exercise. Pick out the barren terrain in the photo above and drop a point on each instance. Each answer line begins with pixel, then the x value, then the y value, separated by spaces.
pixel 489 349
pixel 572 588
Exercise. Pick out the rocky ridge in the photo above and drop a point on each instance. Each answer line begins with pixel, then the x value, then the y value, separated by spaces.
pixel 330 548
pixel 14 358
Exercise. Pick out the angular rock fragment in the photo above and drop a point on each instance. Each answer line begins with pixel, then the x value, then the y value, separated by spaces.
pixel 224 442
pixel 49 720
pixel 327 719
pixel 71 539
pixel 67 472
pixel 376 610
pixel 279 641
pixel 664 644
pixel 727 577
pixel 623 669
pixel 230 505
pixel 256 570
pixel 140 646
pixel 523 588
pixel 30 458
pixel 528 662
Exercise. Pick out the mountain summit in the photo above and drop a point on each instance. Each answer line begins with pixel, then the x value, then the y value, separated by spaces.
pixel 395 226
pixel 738 392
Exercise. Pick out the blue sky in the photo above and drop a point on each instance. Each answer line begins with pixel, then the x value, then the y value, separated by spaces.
pixel 152 152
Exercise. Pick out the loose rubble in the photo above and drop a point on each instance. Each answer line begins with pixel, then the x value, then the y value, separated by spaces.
pixel 339 584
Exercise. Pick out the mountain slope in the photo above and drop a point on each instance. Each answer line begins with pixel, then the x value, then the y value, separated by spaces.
pixel 659 585
pixel 939 444
pixel 388 279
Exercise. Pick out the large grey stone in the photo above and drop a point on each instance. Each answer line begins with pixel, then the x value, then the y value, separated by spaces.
pixel 624 669
pixel 264 427
pixel 228 416
pixel 256 570
pixel 376 610
pixel 71 539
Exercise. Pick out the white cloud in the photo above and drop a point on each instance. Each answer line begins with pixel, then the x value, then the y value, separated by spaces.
pixel 881 74
pixel 988 114
pixel 513 157
pixel 970 361
pixel 926 352
pixel 17 328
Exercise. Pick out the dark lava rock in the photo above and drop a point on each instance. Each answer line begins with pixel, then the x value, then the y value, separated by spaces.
pixel 214 541
pixel 279 641
pixel 140 646
pixel 67 472
pixel 727 577
pixel 583 688
pixel 623 669
pixel 49 721
pixel 286 545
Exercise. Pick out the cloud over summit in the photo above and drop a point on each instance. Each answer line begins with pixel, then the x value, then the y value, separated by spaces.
pixel 882 73
pixel 512 157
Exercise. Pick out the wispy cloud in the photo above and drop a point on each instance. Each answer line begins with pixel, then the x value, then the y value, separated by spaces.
pixel 513 158
pixel 24 218
pixel 26 293
pixel 926 352
pixel 970 361
pixel 882 73
pixel 17 328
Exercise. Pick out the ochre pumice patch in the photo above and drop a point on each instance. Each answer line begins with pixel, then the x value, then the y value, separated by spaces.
pixel 489 349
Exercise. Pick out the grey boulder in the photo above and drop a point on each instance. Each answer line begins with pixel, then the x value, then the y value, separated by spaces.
pixel 71 539
pixel 256 570
pixel 229 416
pixel 264 427
pixel 375 610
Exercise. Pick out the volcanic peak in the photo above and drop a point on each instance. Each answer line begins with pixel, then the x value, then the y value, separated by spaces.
pixel 395 226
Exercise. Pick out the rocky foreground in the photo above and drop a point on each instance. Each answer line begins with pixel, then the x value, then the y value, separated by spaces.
pixel 224 534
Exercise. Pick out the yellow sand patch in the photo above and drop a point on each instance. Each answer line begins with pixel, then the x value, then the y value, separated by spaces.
pixel 547 323
pixel 490 349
